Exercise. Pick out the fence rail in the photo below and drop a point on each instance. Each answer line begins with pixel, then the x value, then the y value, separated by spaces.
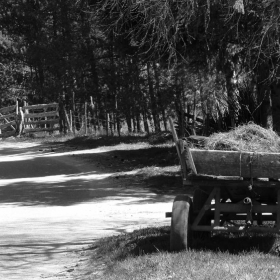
pixel 39 117
pixel 53 116
pixel 7 109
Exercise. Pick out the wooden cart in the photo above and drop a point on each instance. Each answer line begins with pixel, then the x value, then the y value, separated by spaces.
pixel 235 191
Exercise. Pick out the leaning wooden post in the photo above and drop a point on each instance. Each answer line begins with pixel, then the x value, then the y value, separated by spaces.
pixel 71 121
pixel 67 120
pixel 177 143
pixel 85 118
pixel 92 106
pixel 26 111
pixel 16 117
pixel 16 107
pixel 107 124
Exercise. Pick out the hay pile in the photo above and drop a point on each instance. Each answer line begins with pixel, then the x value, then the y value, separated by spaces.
pixel 249 137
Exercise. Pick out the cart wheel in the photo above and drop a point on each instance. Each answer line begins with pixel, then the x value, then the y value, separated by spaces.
pixel 180 234
pixel 199 199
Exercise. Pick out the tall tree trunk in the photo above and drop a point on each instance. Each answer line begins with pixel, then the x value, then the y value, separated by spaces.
pixel 275 99
pixel 264 93
pixel 179 105
pixel 231 67
pixel 265 110
pixel 153 100
pixel 159 96
pixel 138 123
pixel 145 121
pixel 128 121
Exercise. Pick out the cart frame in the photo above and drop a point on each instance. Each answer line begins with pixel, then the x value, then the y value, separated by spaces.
pixel 218 207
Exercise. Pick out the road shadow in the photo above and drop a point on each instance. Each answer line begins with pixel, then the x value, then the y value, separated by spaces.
pixel 71 191
pixel 27 180
pixel 96 142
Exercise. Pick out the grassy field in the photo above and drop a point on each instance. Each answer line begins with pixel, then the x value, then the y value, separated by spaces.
pixel 144 254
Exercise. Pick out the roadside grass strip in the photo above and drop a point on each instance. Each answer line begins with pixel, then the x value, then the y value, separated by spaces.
pixel 144 254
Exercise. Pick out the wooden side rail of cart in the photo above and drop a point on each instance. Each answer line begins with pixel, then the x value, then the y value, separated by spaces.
pixel 230 187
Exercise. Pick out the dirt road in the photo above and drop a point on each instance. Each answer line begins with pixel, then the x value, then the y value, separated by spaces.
pixel 53 204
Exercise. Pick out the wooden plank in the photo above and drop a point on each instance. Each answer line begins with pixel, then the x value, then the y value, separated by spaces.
pixel 41 115
pixel 233 163
pixel 4 117
pixel 278 211
pixel 243 216
pixel 8 134
pixel 242 208
pixel 27 130
pixel 2 126
pixel 40 106
pixel 179 152
pixel 175 137
pixel 67 120
pixel 207 182
pixel 255 229
pixel 217 208
pixel 7 121
pixel 207 206
pixel 190 161
pixel 8 109
pixel 183 160
pixel 168 214
pixel 86 121
pixel 55 121
pixel 174 134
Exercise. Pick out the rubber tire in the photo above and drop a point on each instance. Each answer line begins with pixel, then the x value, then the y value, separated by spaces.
pixel 180 234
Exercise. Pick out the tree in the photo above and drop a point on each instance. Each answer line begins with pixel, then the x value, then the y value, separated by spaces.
pixel 237 36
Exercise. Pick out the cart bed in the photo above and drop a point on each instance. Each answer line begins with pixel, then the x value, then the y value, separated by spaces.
pixel 234 163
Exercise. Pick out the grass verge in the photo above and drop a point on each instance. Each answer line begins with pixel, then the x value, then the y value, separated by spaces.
pixel 143 254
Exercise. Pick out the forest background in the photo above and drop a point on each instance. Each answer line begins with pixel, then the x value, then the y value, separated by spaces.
pixel 215 62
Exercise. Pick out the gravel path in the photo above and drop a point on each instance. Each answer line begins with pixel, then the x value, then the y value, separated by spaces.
pixel 54 204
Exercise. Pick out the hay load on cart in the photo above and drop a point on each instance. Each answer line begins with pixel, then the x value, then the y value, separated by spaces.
pixel 237 187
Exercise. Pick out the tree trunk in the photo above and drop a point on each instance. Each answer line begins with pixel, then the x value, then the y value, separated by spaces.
pixel 138 123
pixel 145 121
pixel 128 121
pixel 264 93
pixel 153 100
pixel 275 100
pixel 160 100
pixel 265 110
pixel 230 69
pixel 134 124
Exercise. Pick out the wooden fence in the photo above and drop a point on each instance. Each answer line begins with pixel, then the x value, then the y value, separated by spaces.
pixel 42 117
pixel 8 121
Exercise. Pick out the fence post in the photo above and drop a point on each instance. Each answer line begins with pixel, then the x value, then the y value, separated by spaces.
pixel 67 120
pixel 85 118
pixel 16 117
pixel 107 124
pixel 71 121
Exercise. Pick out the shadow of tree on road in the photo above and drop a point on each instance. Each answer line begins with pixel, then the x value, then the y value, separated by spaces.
pixel 31 181
pixel 73 192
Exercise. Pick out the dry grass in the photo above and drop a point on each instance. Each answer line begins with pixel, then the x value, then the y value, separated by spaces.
pixel 198 265
pixel 143 254
pixel 249 137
